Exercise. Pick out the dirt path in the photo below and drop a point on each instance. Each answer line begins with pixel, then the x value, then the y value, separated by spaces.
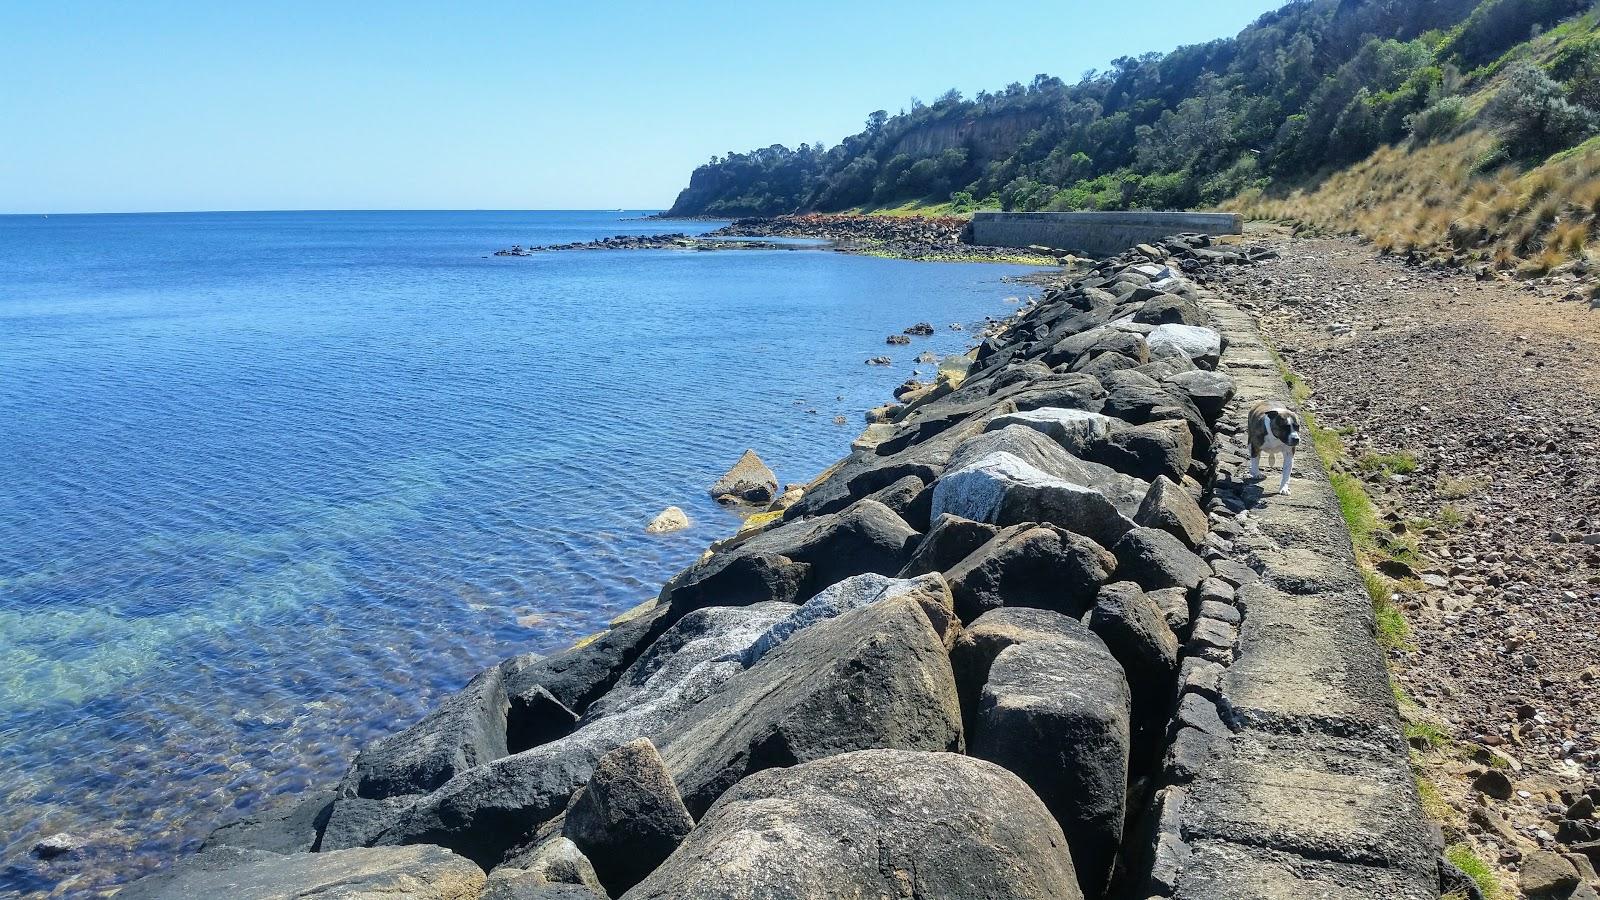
pixel 1495 390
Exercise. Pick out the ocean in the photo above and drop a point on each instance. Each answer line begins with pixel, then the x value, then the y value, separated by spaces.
pixel 272 483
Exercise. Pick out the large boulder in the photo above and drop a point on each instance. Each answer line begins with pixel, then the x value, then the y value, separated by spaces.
pixel 874 823
pixel 950 540
pixel 1138 398
pixel 930 591
pixel 629 817
pixel 1004 490
pixel 292 826
pixel 422 873
pixel 1076 430
pixel 1151 450
pixel 1056 713
pixel 1036 448
pixel 737 577
pixel 1135 631
pixel 877 676
pixel 1156 559
pixel 1170 309
pixel 700 641
pixel 576 677
pixel 982 640
pixel 1170 508
pixel 555 860
pixel 487 810
pixel 1097 341
pixel 908 498
pixel 1208 391
pixel 467 730
pixel 749 481
pixel 866 537
pixel 1031 565
pixel 1202 345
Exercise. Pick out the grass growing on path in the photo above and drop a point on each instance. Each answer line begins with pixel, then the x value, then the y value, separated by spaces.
pixel 1463 857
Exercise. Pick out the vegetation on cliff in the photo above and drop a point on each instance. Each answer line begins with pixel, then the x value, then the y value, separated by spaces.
pixel 1311 88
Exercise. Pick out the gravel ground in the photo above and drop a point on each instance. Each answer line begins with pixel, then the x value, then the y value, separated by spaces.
pixel 1494 387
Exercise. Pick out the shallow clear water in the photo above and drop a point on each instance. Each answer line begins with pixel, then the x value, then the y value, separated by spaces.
pixel 272 482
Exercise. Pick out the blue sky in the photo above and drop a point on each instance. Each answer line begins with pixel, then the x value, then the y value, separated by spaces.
pixel 425 105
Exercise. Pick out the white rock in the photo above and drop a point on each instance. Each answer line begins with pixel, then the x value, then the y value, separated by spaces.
pixel 1201 344
pixel 1004 490
pixel 837 599
pixel 1073 429
pixel 670 519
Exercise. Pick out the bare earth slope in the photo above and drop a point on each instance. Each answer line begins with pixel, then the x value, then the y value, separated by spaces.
pixel 1495 388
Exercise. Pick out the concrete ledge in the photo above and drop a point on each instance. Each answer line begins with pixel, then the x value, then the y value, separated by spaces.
pixel 1095 233
pixel 1219 870
pixel 1310 794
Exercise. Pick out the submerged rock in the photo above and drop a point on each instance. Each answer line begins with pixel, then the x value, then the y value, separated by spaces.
pixel 670 519
pixel 749 481
pixel 421 873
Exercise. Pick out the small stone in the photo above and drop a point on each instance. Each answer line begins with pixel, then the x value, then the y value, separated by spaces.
pixel 1493 783
pixel 1582 808
pixel 1546 874
pixel 58 844
pixel 670 519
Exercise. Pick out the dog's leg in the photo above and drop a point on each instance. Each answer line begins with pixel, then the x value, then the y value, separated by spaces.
pixel 1255 466
pixel 1288 464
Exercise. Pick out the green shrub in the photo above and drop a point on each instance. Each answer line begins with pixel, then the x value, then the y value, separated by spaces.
pixel 1441 120
pixel 1536 115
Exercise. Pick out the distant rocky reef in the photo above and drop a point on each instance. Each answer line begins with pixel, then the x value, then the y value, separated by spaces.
pixel 929 238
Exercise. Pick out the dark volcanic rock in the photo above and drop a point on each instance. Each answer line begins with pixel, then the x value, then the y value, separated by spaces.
pixel 629 817
pixel 294 826
pixel 1030 565
pixel 467 730
pixel 578 676
pixel 877 676
pixel 982 640
pixel 1156 559
pixel 875 823
pixel 795 560
pixel 422 872
pixel 1148 451
pixel 1136 633
pixel 949 541
pixel 1057 713
pixel 1171 509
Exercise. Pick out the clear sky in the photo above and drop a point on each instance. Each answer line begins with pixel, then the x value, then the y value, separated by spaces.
pixel 336 104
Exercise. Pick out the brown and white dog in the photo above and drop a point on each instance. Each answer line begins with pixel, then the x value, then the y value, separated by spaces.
pixel 1274 428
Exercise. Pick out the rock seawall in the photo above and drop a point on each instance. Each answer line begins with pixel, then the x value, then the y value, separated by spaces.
pixel 1036 636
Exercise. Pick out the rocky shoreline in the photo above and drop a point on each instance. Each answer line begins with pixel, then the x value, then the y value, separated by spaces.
pixel 1036 636
pixel 927 238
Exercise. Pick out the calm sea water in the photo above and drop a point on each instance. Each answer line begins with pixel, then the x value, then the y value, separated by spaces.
pixel 273 482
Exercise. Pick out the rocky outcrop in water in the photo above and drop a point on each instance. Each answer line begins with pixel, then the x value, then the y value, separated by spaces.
pixel 1024 641
pixel 902 237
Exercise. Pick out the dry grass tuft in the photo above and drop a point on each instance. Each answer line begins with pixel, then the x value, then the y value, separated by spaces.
pixel 1431 200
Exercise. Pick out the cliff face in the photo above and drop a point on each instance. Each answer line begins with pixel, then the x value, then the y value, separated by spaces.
pixel 988 137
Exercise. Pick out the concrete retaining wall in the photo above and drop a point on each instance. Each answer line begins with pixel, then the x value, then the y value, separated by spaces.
pixel 1094 233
